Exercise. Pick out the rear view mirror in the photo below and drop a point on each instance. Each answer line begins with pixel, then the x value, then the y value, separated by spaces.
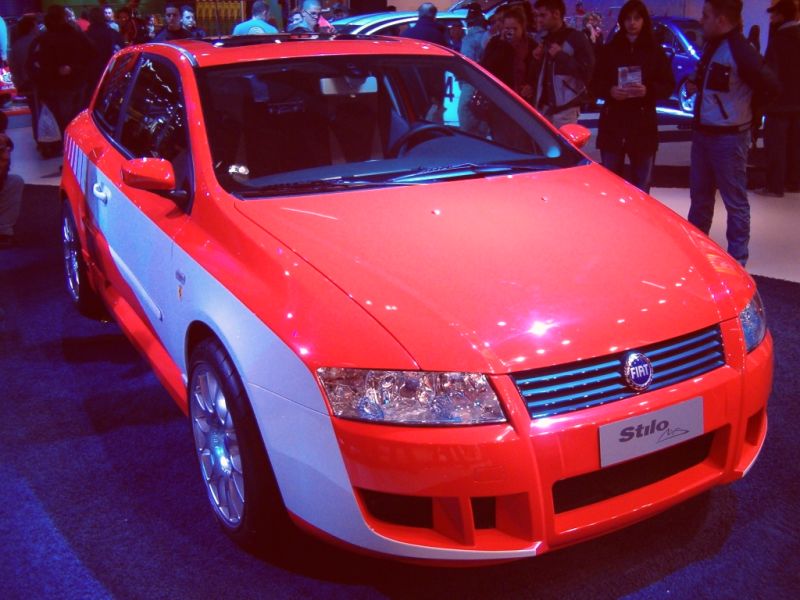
pixel 577 134
pixel 348 86
pixel 151 174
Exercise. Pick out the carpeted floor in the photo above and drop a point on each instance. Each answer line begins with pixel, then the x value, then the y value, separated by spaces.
pixel 99 494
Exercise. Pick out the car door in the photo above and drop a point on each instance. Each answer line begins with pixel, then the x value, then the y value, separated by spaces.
pixel 137 225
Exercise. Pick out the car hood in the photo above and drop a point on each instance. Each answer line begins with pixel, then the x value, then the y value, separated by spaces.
pixel 512 272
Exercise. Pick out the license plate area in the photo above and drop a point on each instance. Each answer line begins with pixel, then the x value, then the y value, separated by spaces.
pixel 637 436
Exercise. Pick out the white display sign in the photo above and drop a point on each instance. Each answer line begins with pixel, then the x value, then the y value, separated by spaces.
pixel 651 432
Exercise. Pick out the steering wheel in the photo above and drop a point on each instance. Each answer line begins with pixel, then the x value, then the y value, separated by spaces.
pixel 404 141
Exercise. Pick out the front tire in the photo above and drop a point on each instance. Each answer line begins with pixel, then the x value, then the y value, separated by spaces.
pixel 236 471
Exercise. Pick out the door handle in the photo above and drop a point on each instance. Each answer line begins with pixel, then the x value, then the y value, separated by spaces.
pixel 101 192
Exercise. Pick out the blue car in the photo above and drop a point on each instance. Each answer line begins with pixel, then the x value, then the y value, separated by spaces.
pixel 682 40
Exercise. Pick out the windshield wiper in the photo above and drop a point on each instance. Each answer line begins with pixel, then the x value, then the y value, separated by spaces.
pixel 469 169
pixel 312 186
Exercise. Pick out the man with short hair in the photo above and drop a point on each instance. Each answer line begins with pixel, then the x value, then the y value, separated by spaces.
pixel 567 64
pixel 258 24
pixel 312 15
pixel 426 28
pixel 108 13
pixel 189 23
pixel 782 124
pixel 173 30
pixel 728 74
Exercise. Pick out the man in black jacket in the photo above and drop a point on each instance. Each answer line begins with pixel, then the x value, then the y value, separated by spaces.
pixel 567 64
pixel 782 126
pixel 728 75
pixel 426 28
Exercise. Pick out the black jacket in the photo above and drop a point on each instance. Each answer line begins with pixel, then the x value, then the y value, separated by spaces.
pixel 106 42
pixel 498 59
pixel 782 57
pixel 631 125
pixel 52 50
pixel 427 30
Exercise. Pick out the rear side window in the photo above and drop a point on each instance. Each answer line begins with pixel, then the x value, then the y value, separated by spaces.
pixel 112 92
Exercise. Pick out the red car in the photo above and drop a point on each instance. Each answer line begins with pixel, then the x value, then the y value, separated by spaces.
pixel 431 338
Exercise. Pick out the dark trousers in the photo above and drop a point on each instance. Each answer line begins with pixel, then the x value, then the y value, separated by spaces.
pixel 641 172
pixel 782 145
pixel 719 162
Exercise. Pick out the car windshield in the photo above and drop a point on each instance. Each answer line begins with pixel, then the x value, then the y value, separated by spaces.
pixel 323 124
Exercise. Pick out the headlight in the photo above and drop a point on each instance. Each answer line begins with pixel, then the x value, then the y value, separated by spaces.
pixel 754 323
pixel 411 397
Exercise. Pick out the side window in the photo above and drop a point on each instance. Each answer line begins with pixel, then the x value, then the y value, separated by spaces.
pixel 664 35
pixel 155 121
pixel 112 92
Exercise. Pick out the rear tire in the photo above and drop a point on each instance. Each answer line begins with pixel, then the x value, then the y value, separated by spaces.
pixel 80 290
pixel 236 471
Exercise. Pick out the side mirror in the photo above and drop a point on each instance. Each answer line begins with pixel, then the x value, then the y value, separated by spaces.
pixel 578 135
pixel 151 174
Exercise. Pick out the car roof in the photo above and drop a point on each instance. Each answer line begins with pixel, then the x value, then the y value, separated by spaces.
pixel 210 52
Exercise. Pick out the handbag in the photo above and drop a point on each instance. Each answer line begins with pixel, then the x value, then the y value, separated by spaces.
pixel 47 128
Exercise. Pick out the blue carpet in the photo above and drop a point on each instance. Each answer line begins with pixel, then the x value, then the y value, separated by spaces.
pixel 99 494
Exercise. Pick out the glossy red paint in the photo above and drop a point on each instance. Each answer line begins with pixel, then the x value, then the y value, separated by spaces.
pixel 150 174
pixel 522 294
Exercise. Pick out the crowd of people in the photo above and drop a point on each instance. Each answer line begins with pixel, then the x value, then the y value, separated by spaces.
pixel 558 69
pixel 531 48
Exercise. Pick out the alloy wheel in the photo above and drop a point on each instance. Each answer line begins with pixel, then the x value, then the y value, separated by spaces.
pixel 217 446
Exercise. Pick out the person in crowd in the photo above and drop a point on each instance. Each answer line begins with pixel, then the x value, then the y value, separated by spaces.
pixel 312 14
pixel 782 123
pixel 472 47
pixel 426 28
pixel 83 20
pixel 631 74
pixel 108 12
pixel 338 11
pixel 189 22
pixel 567 63
pixel 71 18
pixel 475 39
pixel 294 20
pixel 455 36
pixel 11 186
pixel 510 55
pixel 257 25
pixel 106 42
pixel 58 62
pixel 593 29
pixel 18 57
pixel 173 30
pixel 3 41
pixel 579 9
pixel 754 37
pixel 729 72
pixel 147 33
pixel 127 26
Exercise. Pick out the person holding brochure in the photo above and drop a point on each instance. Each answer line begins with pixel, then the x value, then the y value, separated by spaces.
pixel 632 73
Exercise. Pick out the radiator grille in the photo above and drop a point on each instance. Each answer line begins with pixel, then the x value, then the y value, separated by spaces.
pixel 585 384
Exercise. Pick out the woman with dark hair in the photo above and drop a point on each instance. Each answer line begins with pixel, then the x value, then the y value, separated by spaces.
pixel 509 54
pixel 632 72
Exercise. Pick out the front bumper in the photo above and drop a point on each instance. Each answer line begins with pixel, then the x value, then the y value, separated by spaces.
pixel 523 488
